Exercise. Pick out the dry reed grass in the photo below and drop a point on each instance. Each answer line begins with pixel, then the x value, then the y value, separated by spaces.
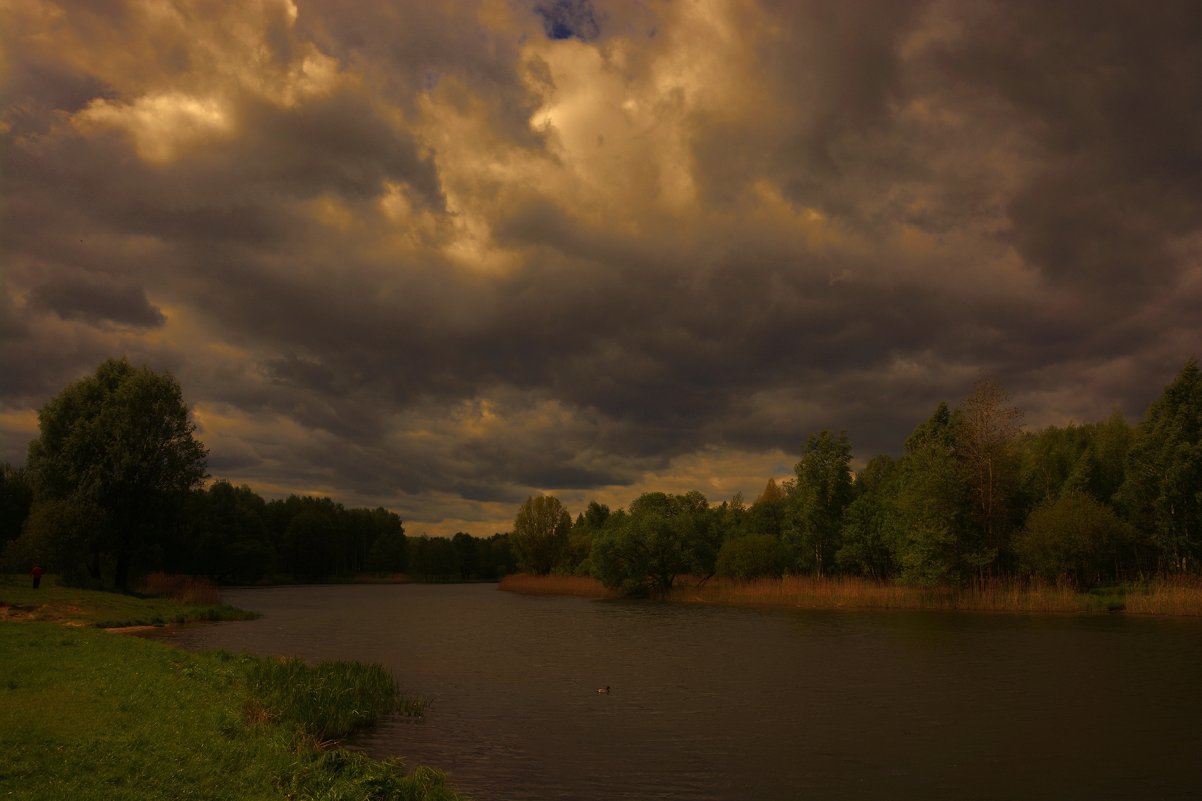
pixel 1160 597
pixel 1170 596
pixel 845 592
pixel 580 586
pixel 186 589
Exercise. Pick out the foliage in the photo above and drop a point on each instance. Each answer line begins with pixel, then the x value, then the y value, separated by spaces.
pixel 433 559
pixel 119 447
pixel 16 498
pixel 540 534
pixel 1162 493
pixel 1074 538
pixel 869 536
pixel 389 552
pixel 660 538
pixel 309 545
pixel 752 556
pixel 595 516
pixel 1076 458
pixel 816 500
pixel 932 507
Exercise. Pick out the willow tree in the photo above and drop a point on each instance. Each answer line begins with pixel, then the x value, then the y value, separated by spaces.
pixel 119 448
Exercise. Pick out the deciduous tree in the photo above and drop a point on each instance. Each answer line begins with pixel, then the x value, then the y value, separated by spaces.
pixel 540 533
pixel 662 537
pixel 1162 493
pixel 817 499
pixel 120 444
pixel 932 507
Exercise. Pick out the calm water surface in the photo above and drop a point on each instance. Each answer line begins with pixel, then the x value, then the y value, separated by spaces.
pixel 739 705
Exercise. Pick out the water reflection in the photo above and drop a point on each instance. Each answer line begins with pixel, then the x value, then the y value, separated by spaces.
pixel 711 703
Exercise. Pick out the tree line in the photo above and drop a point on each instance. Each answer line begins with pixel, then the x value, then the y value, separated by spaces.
pixel 972 497
pixel 114 488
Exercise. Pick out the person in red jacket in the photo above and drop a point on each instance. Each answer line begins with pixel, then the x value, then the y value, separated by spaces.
pixel 37 576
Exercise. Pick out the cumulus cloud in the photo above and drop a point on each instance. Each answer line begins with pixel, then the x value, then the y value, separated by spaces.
pixel 443 256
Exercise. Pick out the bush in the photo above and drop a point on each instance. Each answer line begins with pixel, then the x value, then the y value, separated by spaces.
pixel 1074 538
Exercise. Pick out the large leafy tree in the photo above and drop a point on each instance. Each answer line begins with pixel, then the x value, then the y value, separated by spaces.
pixel 817 498
pixel 540 533
pixel 932 508
pixel 119 448
pixel 662 537
pixel 870 536
pixel 1162 493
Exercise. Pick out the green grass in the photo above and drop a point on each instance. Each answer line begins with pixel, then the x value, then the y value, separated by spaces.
pixel 74 606
pixel 87 715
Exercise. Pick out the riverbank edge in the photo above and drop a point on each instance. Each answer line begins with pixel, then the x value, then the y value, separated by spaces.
pixel 1181 598
pixel 58 703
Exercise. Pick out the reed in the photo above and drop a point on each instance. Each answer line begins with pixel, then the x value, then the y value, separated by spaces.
pixel 996 595
pixel 580 586
pixel 807 592
pixel 186 589
pixel 329 701
pixel 1167 596
pixel 1162 596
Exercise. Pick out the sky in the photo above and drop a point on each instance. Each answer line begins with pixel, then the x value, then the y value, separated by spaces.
pixel 439 257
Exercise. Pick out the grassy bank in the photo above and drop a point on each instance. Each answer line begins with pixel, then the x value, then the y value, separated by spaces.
pixel 78 607
pixel 1161 597
pixel 86 714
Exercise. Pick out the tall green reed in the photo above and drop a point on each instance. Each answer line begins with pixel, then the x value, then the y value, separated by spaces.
pixel 331 700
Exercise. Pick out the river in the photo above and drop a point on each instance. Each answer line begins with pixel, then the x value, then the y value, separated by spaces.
pixel 749 705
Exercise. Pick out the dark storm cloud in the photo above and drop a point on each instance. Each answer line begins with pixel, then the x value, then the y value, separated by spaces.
pixel 444 256
pixel 339 143
pixel 97 301
pixel 1109 92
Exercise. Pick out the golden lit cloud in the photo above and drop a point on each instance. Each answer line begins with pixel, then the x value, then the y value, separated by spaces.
pixel 427 255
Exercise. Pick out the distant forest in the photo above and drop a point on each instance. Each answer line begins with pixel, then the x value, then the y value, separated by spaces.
pixel 972 497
